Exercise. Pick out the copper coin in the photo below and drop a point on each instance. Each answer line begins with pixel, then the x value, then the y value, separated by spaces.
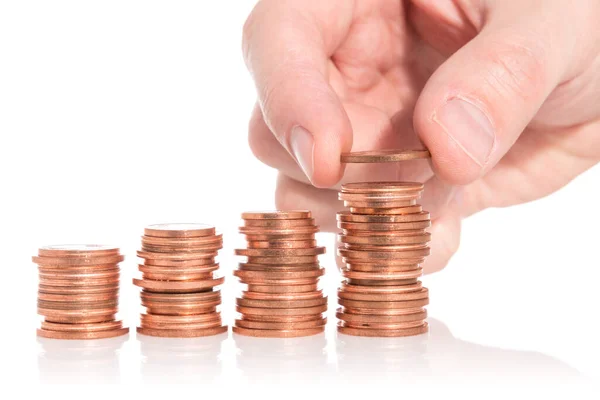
pixel 385 187
pixel 183 242
pixel 379 276
pixel 296 303
pixel 282 282
pixel 366 318
pixel 347 217
pixel 282 260
pixel 413 295
pixel 283 318
pixel 279 223
pixel 384 255
pixel 383 304
pixel 277 296
pixel 294 214
pixel 68 261
pixel 80 320
pixel 77 250
pixel 78 290
pixel 77 298
pixel 282 244
pixel 100 326
pixel 284 275
pixel 379 197
pixel 383 325
pixel 386 211
pixel 86 269
pixel 284 289
pixel 381 156
pixel 82 335
pixel 177 287
pixel 60 306
pixel 288 237
pixel 412 262
pixel 358 267
pixel 400 226
pixel 182 304
pixel 179 230
pixel 280 252
pixel 382 289
pixel 194 270
pixel 389 282
pixel 205 325
pixel 276 333
pixel 180 310
pixel 176 277
pixel 398 247
pixel 181 297
pixel 275 268
pixel 182 333
pixel 242 323
pixel 301 230
pixel 49 312
pixel 281 311
pixel 380 204
pixel 383 332
pixel 78 282
pixel 179 319
pixel 64 275
pixel 156 262
pixel 177 256
pixel 184 250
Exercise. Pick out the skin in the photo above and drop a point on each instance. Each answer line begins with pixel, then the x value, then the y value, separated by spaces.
pixel 380 74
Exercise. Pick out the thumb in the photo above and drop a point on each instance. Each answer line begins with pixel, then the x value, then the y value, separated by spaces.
pixel 287 46
pixel 475 106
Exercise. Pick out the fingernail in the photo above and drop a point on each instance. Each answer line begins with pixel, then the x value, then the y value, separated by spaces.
pixel 302 145
pixel 469 127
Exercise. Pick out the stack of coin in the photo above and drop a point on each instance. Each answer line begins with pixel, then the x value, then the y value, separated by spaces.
pixel 383 245
pixel 282 273
pixel 79 291
pixel 178 282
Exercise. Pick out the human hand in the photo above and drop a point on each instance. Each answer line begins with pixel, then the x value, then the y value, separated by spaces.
pixel 504 94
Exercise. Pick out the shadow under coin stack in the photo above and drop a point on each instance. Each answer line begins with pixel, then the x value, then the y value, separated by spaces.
pixel 178 286
pixel 282 272
pixel 78 292
pixel 383 246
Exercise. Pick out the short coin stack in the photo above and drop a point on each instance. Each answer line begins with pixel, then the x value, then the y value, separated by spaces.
pixel 78 291
pixel 178 286
pixel 282 272
pixel 383 245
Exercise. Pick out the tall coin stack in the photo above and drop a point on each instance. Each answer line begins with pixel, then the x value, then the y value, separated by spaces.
pixel 178 285
pixel 282 272
pixel 78 291
pixel 383 245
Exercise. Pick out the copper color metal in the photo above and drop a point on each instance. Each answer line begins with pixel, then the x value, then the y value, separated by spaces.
pixel 277 333
pixel 177 286
pixel 84 335
pixel 179 230
pixel 293 214
pixel 386 211
pixel 182 333
pixel 383 297
pixel 367 332
pixel 314 323
pixel 295 303
pixel 281 311
pixel 344 315
pixel 100 326
pixel 382 156
pixel 283 289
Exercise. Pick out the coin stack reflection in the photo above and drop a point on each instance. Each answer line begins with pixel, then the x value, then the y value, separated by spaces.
pixel 78 291
pixel 178 286
pixel 383 245
pixel 282 272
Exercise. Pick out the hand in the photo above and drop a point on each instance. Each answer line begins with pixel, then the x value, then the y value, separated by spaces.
pixel 505 94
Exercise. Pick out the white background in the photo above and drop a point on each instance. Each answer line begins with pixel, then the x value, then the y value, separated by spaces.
pixel 118 114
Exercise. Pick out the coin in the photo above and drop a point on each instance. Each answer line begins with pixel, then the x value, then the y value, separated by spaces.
pixel 279 223
pixel 157 262
pixel 312 251
pixel 283 260
pixel 83 335
pixel 178 319
pixel 284 236
pixel 315 294
pixel 182 297
pixel 382 289
pixel 177 286
pixel 386 211
pixel 273 275
pixel 276 232
pixel 179 256
pixel 378 197
pixel 413 217
pixel 379 156
pixel 385 187
pixel 383 332
pixel 382 276
pixel 344 315
pixel 279 288
pixel 383 204
pixel 399 226
pixel 412 295
pixel 282 244
pixel 296 303
pixel 315 323
pixel 280 268
pixel 294 214
pixel 384 239
pixel 277 333
pixel 383 304
pixel 179 230
pixel 100 326
pixel 68 261
pixel 195 326
pixel 182 333
pixel 281 311
pixel 77 250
